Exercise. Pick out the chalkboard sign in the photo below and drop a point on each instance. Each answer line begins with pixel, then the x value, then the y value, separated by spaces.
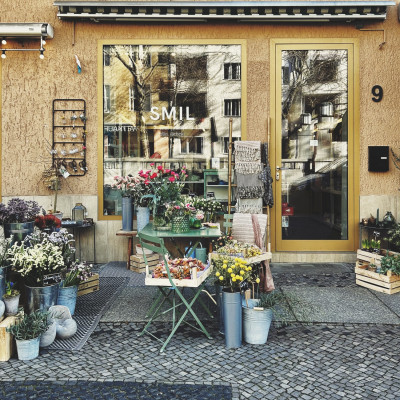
pixel 244 285
pixel 51 279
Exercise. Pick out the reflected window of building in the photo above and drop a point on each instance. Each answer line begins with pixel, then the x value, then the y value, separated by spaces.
pixel 232 71
pixel 232 107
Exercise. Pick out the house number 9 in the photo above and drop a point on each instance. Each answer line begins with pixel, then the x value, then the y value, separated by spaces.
pixel 377 92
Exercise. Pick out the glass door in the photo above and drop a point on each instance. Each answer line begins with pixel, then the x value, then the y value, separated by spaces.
pixel 314 144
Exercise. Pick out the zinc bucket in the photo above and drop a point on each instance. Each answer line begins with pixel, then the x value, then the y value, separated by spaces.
pixel 256 323
pixel 41 298
pixel 232 314
pixel 28 349
pixel 67 297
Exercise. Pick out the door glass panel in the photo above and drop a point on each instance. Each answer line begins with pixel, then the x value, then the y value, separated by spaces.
pixel 314 168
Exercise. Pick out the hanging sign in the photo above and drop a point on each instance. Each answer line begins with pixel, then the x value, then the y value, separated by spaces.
pixel 287 210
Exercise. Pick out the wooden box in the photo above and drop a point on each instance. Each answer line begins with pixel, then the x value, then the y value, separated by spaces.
pixel 381 283
pixel 6 339
pixel 367 257
pixel 138 264
pixel 91 285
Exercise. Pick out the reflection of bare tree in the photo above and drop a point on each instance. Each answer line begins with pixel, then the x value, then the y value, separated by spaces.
pixel 137 60
pixel 305 69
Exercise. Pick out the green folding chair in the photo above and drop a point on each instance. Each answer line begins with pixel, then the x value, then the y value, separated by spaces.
pixel 171 292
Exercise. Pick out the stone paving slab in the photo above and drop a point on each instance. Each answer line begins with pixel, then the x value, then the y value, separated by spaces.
pixel 390 300
pixel 311 269
pixel 344 305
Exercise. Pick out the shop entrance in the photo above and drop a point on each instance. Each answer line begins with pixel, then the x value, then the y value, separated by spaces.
pixel 314 120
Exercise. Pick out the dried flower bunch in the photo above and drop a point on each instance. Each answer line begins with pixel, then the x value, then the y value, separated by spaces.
pixel 19 210
pixel 180 268
pixel 123 183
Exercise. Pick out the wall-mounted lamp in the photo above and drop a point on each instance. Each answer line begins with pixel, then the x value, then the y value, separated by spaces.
pixel 25 31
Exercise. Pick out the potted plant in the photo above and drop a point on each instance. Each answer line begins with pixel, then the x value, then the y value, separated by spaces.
pixel 39 266
pixel 390 263
pixel 27 331
pixel 48 222
pixel 179 214
pixel 165 187
pixel 11 299
pixel 68 290
pixel 259 313
pixel 232 273
pixel 141 196
pixel 18 218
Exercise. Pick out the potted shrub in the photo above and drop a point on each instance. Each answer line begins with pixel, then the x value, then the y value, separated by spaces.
pixel 18 218
pixel 27 332
pixel 179 214
pixel 34 264
pixel 390 263
pixel 11 299
pixel 259 313
pixel 68 290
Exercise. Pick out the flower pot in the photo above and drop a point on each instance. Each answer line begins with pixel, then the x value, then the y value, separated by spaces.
pixel 11 304
pixel 143 217
pixel 28 349
pixel 67 297
pixel 41 298
pixel 220 309
pixel 47 337
pixel 256 323
pixel 180 224
pixel 127 214
pixel 232 314
pixel 19 230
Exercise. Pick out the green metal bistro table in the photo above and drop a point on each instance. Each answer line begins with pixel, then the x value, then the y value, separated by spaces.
pixel 194 235
pixel 170 289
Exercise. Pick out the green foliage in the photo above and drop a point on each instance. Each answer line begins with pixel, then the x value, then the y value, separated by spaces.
pixel 10 290
pixel 390 263
pixel 394 237
pixel 30 326
pixel 286 307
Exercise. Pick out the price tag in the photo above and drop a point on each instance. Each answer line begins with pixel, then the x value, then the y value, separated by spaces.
pixel 51 279
pixel 314 143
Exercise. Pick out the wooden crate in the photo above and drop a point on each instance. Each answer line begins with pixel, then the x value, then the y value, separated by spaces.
pixel 138 264
pixel 90 286
pixel 367 257
pixel 6 339
pixel 381 283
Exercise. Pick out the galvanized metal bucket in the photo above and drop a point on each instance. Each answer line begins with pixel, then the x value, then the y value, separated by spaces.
pixel 28 349
pixel 67 297
pixel 232 304
pixel 256 323
pixel 41 298
pixel 127 214
pixel 19 230
pixel 143 217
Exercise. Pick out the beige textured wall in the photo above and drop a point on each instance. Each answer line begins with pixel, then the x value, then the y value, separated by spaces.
pixel 29 85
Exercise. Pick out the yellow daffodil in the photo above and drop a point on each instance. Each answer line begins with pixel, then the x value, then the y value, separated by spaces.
pixel 241 272
pixel 233 279
pixel 221 278
pixel 225 262
pixel 241 278
pixel 229 269
pixel 217 274
pixel 249 268
pixel 233 275
pixel 258 280
pixel 237 277
pixel 224 266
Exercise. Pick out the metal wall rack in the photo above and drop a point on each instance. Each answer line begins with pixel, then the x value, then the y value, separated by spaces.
pixel 69 136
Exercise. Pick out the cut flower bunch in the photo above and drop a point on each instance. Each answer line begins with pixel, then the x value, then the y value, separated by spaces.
pixel 231 272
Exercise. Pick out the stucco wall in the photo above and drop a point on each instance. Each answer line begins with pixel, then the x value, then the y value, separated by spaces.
pixel 29 85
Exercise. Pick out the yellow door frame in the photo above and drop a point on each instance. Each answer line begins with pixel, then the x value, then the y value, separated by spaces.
pixel 352 46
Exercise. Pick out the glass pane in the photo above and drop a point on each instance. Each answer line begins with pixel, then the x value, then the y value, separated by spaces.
pixel 165 104
pixel 314 172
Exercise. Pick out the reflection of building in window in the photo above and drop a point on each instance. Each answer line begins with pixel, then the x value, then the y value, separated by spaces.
pixel 107 98
pixel 197 103
pixel 232 107
pixel 326 70
pixel 188 68
pixel 192 145
pixel 232 71
pixel 225 144
pixel 107 59
pixel 285 75
pixel 165 58
pixel 131 100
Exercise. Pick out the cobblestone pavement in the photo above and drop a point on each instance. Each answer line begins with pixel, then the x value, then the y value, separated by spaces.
pixel 298 362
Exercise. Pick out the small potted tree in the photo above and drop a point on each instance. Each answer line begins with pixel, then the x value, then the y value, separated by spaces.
pixel 27 332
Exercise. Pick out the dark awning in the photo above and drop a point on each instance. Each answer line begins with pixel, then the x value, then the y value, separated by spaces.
pixel 240 11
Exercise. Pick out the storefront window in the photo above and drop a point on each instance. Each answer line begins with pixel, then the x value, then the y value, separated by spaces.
pixel 167 104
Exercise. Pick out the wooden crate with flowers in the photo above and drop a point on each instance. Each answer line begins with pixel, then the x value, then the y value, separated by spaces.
pixel 378 272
